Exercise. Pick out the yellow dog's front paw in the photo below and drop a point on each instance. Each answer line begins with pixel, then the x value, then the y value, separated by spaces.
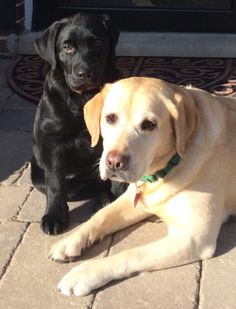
pixel 72 246
pixel 81 280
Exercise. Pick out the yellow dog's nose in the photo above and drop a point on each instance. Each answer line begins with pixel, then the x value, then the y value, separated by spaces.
pixel 116 160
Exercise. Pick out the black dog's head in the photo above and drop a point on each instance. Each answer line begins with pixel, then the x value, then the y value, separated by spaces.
pixel 82 47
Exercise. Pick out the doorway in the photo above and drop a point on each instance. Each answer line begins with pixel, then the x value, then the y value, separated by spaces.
pixel 146 15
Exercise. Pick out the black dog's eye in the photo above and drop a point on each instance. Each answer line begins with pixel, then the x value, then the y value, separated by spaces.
pixel 96 44
pixel 68 48
pixel 148 125
pixel 111 118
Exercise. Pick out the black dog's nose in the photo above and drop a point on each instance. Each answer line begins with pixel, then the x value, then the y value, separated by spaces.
pixel 82 75
pixel 116 161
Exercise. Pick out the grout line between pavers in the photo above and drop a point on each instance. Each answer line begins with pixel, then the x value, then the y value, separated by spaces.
pixel 22 205
pixel 21 173
pixel 109 246
pixel 90 306
pixel 107 253
pixel 5 267
pixel 15 185
pixel 24 221
pixel 198 280
pixel 14 182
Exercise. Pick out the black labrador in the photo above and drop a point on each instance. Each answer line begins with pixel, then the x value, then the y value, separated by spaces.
pixel 80 50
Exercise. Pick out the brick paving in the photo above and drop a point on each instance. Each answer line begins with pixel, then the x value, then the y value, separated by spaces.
pixel 28 279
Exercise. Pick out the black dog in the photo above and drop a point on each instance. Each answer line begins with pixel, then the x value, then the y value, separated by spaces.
pixel 81 51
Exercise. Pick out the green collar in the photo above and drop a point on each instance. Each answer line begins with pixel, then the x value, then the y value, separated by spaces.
pixel 162 173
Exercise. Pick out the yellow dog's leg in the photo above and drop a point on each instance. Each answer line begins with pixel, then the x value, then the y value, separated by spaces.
pixel 114 217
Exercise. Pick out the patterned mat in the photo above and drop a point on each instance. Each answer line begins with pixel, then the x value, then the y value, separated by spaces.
pixel 214 74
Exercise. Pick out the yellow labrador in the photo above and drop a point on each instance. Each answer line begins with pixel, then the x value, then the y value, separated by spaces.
pixel 176 146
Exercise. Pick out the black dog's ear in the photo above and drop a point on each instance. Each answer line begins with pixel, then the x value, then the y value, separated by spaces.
pixel 113 32
pixel 46 44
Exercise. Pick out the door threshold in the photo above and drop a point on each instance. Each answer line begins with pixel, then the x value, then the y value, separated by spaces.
pixel 160 44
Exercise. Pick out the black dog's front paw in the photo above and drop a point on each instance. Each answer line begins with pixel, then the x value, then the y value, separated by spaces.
pixel 54 224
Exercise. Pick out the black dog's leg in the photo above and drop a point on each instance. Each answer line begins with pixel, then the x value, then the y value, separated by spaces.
pixel 37 175
pixel 56 218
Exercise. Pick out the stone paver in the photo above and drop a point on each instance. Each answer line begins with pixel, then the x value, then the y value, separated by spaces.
pixel 10 235
pixel 218 282
pixel 169 288
pixel 7 178
pixel 25 179
pixel 31 279
pixel 34 208
pixel 15 151
pixel 11 200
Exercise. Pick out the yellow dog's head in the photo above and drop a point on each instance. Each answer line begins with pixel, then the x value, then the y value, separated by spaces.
pixel 143 122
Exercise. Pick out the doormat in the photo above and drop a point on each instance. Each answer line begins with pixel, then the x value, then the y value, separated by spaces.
pixel 216 75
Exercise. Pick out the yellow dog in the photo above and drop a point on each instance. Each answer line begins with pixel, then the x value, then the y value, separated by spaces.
pixel 176 146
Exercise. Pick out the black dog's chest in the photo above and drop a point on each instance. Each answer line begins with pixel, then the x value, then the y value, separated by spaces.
pixel 64 128
pixel 60 120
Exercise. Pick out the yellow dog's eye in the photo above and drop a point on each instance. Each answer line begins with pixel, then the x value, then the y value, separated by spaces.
pixel 111 118
pixel 148 125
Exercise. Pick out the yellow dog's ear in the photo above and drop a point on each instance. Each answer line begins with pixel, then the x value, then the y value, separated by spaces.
pixel 185 117
pixel 92 114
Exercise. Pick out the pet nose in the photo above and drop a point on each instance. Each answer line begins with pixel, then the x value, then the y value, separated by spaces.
pixel 116 161
pixel 82 75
